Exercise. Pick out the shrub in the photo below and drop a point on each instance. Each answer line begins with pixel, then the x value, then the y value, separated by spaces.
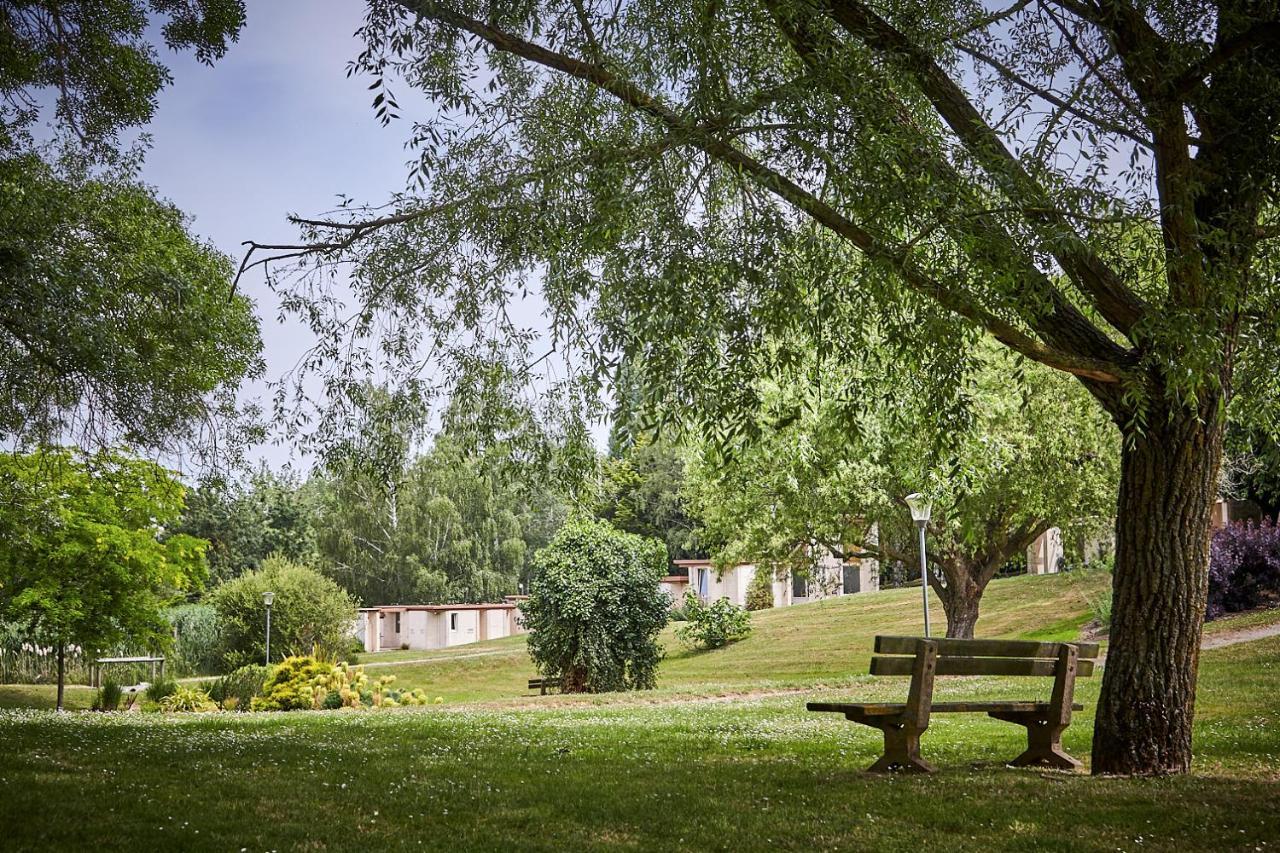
pixel 108 698
pixel 196 649
pixel 292 685
pixel 188 699
pixel 1244 568
pixel 310 612
pixel 1100 608
pixel 237 690
pixel 161 690
pixel 760 590
pixel 301 683
pixel 714 625
pixel 594 608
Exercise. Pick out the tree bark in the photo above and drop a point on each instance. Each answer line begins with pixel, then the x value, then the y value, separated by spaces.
pixel 62 672
pixel 1168 482
pixel 960 601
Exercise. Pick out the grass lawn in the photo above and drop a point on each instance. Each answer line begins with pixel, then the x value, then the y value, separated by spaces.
pixel 718 759
pixel 684 775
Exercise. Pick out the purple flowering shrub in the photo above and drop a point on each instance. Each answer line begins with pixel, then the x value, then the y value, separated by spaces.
pixel 1244 568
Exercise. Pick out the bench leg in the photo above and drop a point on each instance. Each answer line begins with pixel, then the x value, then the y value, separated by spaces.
pixel 1044 741
pixel 901 746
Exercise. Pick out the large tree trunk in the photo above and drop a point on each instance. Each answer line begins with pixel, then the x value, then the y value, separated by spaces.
pixel 62 672
pixel 1168 483
pixel 960 601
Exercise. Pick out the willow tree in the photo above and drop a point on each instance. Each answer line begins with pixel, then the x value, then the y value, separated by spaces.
pixel 1085 181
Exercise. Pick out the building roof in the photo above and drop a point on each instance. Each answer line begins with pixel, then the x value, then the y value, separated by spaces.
pixel 702 563
pixel 436 608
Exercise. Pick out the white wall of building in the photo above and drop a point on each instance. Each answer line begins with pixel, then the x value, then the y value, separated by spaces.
pixel 1045 554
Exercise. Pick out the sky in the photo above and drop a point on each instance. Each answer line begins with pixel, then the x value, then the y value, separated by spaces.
pixel 275 127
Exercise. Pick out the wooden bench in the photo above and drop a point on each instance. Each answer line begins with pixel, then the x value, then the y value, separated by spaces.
pixel 544 684
pixel 923 660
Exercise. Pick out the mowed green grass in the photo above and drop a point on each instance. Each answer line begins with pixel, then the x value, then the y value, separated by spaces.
pixel 687 774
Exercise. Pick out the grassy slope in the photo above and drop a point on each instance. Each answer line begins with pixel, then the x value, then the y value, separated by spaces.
pixel 827 642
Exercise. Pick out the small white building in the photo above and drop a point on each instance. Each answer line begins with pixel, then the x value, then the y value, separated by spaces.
pixel 829 577
pixel 435 626
pixel 1044 556
pixel 674 586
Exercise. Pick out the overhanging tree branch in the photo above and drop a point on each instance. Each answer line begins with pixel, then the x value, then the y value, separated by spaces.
pixel 1114 300
pixel 873 246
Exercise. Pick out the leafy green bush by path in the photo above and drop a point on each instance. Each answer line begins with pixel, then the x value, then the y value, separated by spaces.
pixel 188 699
pixel 236 690
pixel 196 645
pixel 711 626
pixel 310 612
pixel 594 609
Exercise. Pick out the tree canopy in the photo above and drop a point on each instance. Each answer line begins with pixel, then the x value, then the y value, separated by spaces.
pixel 85 558
pixel 117 324
pixel 833 479
pixel 594 609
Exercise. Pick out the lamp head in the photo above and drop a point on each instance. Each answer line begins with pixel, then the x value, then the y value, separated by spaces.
pixel 268 597
pixel 920 507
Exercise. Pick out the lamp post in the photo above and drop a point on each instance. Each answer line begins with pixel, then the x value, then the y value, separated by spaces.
pixel 267 598
pixel 920 515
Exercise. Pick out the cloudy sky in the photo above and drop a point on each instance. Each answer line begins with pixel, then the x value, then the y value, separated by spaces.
pixel 273 128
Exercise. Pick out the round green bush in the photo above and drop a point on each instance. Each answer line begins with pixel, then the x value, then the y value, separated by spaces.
pixel 292 685
pixel 310 615
pixel 594 609
pixel 711 626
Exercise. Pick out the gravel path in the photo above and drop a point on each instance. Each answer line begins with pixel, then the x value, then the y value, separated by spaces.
pixel 1243 635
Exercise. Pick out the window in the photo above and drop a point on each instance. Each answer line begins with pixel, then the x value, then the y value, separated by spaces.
pixel 799 586
pixel 852 578
pixel 453 621
pixel 703 583
pixel 397 623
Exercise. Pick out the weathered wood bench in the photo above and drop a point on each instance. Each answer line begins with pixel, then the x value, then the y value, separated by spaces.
pixel 923 660
pixel 542 685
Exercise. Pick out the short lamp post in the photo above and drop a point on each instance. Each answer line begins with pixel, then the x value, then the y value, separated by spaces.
pixel 920 515
pixel 267 598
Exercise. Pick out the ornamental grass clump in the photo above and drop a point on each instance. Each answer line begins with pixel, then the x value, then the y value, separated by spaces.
pixel 188 699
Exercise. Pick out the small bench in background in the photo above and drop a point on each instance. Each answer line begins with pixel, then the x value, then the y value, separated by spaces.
pixel 95 673
pixel 542 685
pixel 925 659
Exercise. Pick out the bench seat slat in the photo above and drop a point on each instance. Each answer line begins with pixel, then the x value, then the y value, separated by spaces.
pixel 978 666
pixel 891 645
pixel 877 709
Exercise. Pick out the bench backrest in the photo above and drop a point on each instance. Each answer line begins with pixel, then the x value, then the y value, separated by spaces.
pixel 897 656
